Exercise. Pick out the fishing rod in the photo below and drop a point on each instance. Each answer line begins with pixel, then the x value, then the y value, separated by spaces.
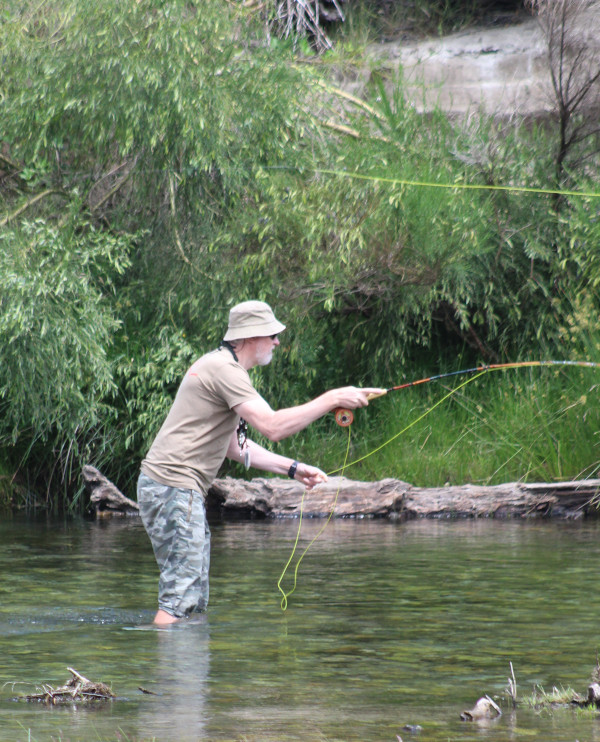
pixel 344 417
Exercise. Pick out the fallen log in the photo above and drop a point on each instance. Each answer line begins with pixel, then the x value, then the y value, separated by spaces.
pixel 398 500
pixel 278 498
pixel 388 498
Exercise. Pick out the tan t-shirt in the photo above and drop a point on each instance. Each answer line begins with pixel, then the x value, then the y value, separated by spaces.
pixel 192 442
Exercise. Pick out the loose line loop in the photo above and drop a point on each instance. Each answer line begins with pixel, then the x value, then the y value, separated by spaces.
pixel 285 596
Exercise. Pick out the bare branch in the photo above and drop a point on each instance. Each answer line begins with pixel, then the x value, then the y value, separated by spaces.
pixel 48 192
pixel 10 163
pixel 178 241
pixel 109 194
pixel 352 98
pixel 572 29
pixel 305 18
pixel 180 249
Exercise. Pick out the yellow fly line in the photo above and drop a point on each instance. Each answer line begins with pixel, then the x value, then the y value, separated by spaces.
pixel 455 186
pixel 285 595
pixel 476 372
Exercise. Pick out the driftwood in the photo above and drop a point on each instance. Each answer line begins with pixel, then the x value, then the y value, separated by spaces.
pixel 397 500
pixel 105 497
pixel 388 498
pixel 77 690
pixel 485 708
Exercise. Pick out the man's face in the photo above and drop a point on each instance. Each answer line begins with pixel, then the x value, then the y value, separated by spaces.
pixel 264 349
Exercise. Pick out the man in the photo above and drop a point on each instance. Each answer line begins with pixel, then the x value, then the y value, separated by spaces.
pixel 207 423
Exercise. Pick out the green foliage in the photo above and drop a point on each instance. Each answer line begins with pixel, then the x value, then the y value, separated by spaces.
pixel 389 265
pixel 157 85
pixel 56 325
pixel 134 117
pixel 164 161
pixel 150 379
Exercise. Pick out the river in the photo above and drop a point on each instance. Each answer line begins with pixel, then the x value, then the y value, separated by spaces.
pixel 391 627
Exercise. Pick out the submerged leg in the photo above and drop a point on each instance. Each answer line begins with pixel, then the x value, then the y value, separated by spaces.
pixel 175 520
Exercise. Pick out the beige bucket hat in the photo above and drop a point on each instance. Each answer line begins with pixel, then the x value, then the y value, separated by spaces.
pixel 252 319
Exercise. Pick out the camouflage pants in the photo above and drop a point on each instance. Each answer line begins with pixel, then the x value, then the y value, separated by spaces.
pixel 175 520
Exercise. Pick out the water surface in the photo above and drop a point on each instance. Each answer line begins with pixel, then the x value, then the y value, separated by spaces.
pixel 390 625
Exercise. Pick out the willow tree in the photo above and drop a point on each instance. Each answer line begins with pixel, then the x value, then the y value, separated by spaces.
pixel 130 134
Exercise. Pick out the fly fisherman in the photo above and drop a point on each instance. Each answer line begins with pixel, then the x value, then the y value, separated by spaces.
pixel 207 423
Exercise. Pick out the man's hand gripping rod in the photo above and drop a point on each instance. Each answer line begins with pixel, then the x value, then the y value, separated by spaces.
pixel 345 417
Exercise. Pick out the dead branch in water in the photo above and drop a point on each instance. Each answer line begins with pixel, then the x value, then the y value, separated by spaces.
pixel 77 690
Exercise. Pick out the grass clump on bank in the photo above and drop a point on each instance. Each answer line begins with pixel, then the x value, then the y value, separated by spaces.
pixel 558 697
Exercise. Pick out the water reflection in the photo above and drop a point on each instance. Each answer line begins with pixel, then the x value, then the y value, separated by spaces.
pixel 180 680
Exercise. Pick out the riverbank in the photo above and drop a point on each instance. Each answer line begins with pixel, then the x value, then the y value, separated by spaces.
pixel 501 68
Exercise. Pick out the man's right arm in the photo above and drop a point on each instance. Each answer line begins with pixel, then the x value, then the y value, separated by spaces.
pixel 279 424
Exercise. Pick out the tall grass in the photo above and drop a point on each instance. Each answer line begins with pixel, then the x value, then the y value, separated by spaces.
pixel 538 424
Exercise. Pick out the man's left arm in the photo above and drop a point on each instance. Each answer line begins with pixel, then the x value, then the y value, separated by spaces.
pixel 261 458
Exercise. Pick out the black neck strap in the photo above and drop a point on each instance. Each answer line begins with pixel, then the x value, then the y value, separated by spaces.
pixel 229 346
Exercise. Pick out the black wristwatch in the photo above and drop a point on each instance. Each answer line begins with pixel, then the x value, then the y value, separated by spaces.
pixel 292 470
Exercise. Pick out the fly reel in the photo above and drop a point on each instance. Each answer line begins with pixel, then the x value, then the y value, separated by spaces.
pixel 343 417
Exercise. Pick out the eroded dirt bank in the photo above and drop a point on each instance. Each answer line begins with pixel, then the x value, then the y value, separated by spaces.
pixel 503 69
